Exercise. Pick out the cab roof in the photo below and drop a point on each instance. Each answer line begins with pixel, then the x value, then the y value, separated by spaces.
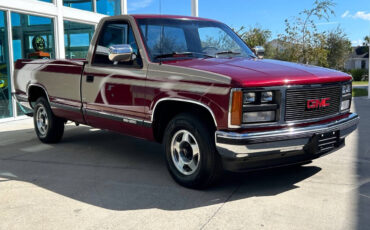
pixel 143 16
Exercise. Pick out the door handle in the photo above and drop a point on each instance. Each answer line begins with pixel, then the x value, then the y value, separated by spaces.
pixel 89 78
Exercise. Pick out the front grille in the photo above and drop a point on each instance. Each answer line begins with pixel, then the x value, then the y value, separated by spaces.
pixel 296 102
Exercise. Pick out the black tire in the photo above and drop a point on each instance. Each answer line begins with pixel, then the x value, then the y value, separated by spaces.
pixel 209 163
pixel 54 130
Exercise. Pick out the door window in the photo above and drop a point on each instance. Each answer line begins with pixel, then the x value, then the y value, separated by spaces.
pixel 115 33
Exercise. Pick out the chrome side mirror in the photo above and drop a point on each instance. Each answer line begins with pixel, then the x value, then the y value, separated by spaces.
pixel 121 53
pixel 260 51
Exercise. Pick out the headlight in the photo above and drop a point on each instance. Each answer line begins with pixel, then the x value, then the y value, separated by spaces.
pixel 247 106
pixel 262 116
pixel 258 97
pixel 346 89
pixel 345 105
pixel 267 96
pixel 249 98
pixel 346 97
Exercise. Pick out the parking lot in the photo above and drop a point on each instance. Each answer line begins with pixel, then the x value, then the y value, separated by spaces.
pixel 96 179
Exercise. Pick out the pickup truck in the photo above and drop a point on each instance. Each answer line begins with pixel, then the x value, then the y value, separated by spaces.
pixel 195 86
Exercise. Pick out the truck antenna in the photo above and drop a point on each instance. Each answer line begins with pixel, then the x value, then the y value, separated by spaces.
pixel 161 34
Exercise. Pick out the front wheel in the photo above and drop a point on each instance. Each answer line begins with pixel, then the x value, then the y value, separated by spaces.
pixel 191 155
pixel 48 127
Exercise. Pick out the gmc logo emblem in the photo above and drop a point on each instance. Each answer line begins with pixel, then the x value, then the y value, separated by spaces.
pixel 317 103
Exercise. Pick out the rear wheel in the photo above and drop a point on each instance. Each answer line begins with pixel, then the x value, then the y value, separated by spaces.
pixel 190 151
pixel 48 127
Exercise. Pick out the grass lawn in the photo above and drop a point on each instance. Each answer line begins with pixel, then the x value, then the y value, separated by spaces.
pixel 359 92
pixel 360 83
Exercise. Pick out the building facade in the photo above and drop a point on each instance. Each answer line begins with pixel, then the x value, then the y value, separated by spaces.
pixel 48 29
pixel 359 58
pixel 59 28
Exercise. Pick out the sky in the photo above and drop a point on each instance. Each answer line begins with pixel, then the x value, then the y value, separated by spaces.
pixel 353 16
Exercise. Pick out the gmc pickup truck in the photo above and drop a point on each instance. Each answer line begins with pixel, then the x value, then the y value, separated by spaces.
pixel 195 86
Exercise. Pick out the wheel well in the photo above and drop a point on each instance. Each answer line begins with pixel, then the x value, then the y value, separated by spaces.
pixel 35 92
pixel 167 110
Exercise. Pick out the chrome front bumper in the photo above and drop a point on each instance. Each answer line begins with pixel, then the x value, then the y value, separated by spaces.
pixel 234 145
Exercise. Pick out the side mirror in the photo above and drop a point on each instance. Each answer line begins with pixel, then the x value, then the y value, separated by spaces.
pixel 260 51
pixel 121 53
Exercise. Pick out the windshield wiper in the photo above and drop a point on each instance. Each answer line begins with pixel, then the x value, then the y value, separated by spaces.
pixel 227 52
pixel 181 54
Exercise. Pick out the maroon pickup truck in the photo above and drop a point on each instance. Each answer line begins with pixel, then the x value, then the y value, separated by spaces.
pixel 195 86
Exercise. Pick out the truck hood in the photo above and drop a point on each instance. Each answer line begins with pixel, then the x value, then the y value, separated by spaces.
pixel 263 72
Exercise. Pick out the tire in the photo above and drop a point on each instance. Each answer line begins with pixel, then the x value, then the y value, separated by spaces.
pixel 190 152
pixel 48 127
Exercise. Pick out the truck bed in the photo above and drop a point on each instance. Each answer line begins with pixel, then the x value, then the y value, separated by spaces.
pixel 62 78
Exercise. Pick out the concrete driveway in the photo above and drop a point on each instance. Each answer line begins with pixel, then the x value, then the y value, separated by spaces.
pixel 96 179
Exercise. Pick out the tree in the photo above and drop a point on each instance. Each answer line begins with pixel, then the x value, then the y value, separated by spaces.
pixel 339 48
pixel 366 41
pixel 255 36
pixel 305 42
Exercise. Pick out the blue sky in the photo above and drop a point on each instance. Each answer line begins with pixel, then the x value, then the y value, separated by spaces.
pixel 353 16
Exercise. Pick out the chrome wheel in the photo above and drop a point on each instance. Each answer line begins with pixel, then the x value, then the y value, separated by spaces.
pixel 42 121
pixel 185 152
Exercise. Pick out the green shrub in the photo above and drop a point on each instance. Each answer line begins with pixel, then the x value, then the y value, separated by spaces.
pixel 358 92
pixel 359 74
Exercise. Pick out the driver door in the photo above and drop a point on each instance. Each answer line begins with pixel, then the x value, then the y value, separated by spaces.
pixel 113 93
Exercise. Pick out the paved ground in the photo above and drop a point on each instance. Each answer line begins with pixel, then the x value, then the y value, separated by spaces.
pixel 100 180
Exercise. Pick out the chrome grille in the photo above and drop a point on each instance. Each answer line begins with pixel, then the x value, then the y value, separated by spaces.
pixel 296 102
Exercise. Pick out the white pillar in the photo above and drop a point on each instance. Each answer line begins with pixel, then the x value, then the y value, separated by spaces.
pixel 194 8
pixel 59 31
pixel 11 59
pixel 123 6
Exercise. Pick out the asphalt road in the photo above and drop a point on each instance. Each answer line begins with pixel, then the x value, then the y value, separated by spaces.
pixel 96 179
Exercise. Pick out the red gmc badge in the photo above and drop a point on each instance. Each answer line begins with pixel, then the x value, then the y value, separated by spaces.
pixel 317 103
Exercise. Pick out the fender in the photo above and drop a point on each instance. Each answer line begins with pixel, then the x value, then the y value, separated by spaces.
pixel 183 100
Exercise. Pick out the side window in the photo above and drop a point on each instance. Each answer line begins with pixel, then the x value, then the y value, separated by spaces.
pixel 173 40
pixel 115 33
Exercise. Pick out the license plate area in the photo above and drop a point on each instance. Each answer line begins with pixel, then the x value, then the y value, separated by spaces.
pixel 327 141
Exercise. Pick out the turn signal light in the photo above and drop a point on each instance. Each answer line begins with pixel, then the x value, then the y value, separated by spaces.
pixel 236 108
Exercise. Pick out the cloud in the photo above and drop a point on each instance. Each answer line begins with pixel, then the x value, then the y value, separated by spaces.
pixel 345 14
pixel 135 5
pixel 359 14
pixel 363 15
pixel 357 42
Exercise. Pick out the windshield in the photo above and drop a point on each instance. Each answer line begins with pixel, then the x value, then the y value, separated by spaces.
pixel 182 39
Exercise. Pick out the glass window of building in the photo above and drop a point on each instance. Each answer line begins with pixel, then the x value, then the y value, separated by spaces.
pixel 33 38
pixel 79 4
pixel 77 37
pixel 6 109
pixel 108 7
pixel 46 1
